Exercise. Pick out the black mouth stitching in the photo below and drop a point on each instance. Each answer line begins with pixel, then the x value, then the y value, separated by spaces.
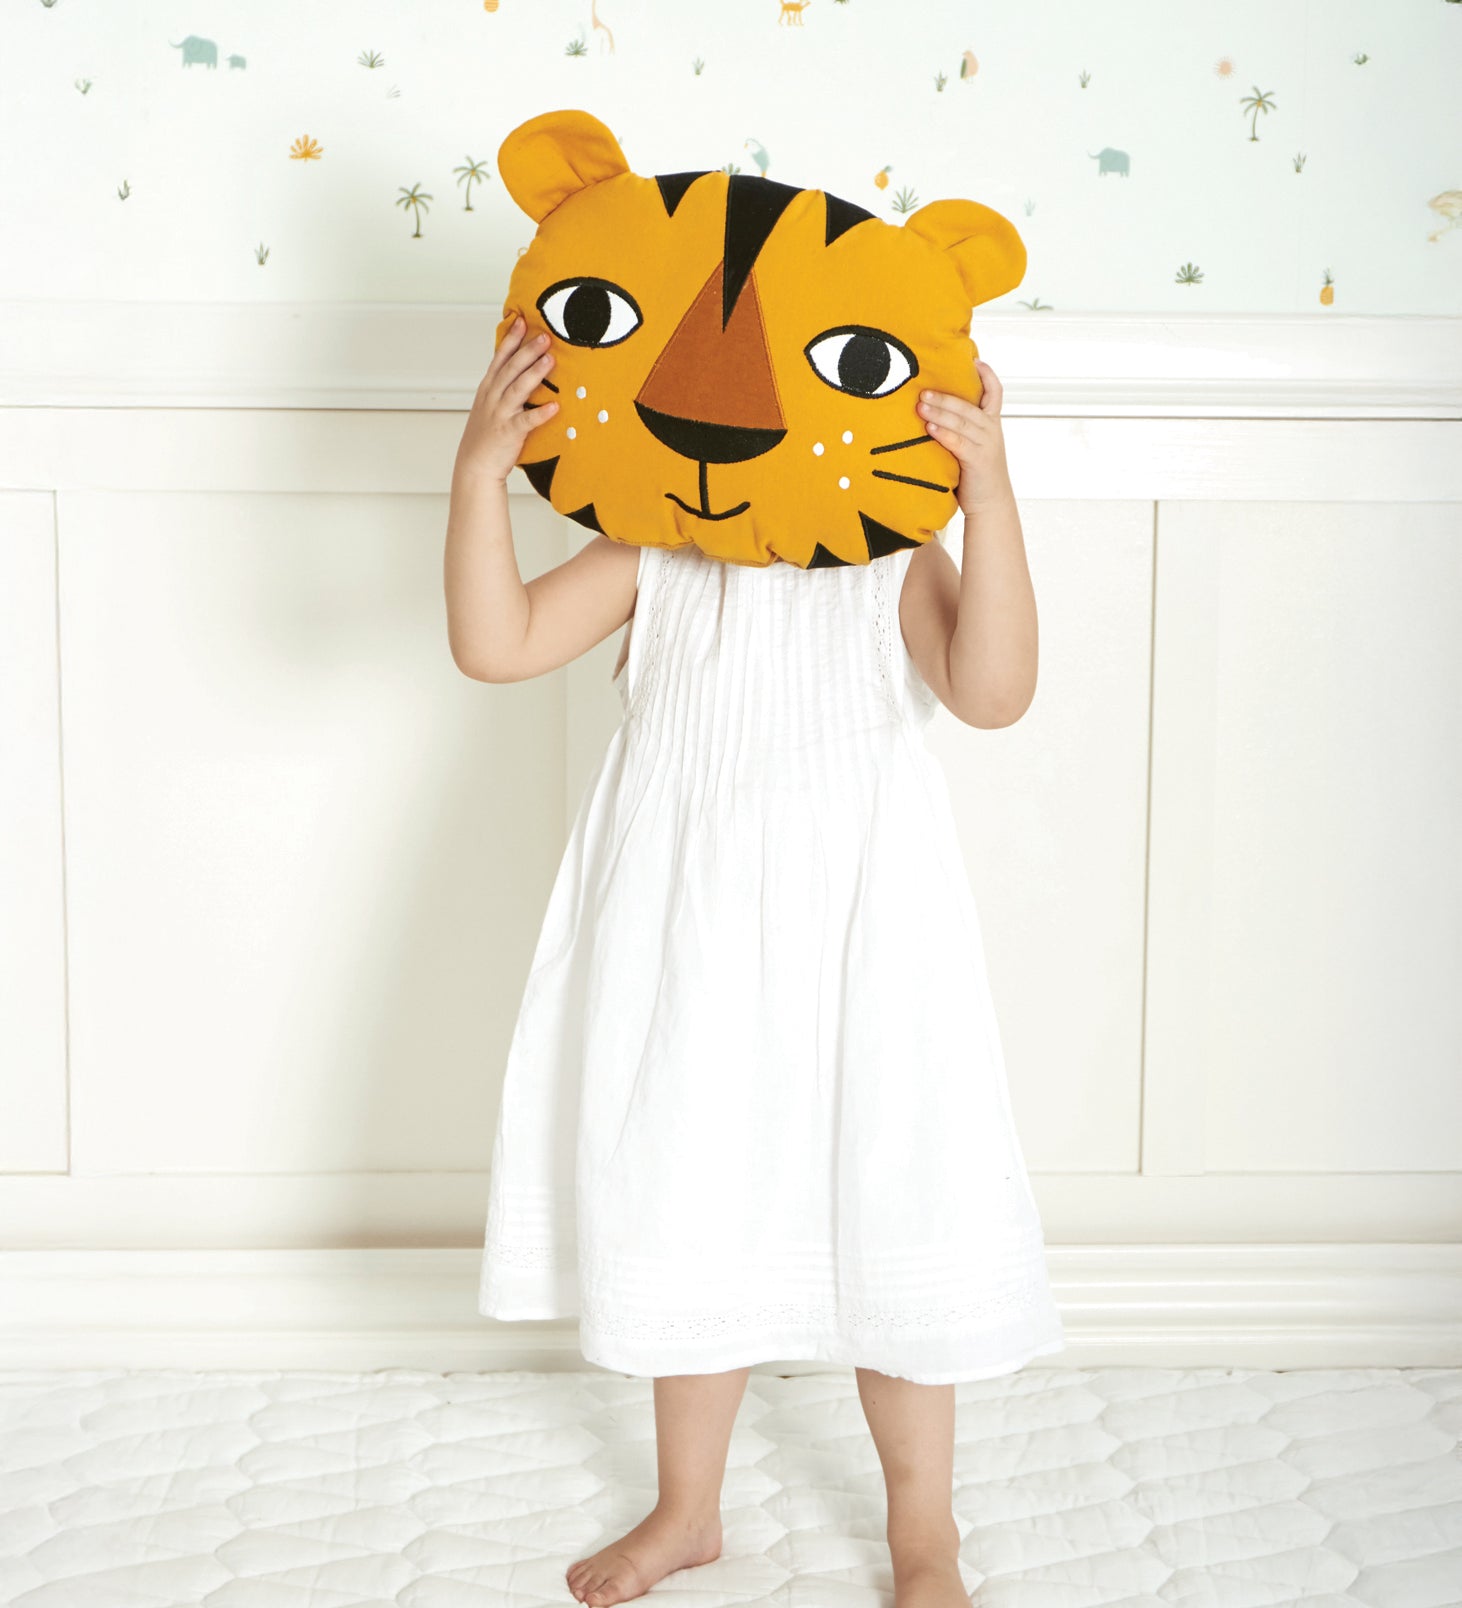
pixel 705 513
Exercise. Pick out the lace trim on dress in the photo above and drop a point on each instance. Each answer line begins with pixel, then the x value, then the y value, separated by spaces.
pixel 982 1311
pixel 885 626
pixel 513 1254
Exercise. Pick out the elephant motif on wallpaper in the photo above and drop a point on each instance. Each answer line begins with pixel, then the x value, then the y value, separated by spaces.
pixel 196 49
pixel 1110 161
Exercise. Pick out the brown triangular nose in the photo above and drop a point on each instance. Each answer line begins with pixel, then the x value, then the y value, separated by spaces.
pixel 710 395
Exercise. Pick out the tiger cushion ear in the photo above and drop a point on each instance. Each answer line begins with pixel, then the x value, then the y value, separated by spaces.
pixel 555 155
pixel 980 243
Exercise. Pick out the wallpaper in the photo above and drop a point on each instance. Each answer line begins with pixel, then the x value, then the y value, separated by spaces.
pixel 1254 156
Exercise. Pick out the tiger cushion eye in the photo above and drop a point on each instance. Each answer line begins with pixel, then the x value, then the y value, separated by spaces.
pixel 738 361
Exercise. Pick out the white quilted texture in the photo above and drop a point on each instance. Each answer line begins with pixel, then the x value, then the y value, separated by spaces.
pixel 1113 1486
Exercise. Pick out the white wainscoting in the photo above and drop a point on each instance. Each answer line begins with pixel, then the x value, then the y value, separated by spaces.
pixel 273 869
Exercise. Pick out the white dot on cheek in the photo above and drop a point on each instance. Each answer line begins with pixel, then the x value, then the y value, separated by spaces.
pixel 844 482
pixel 847 437
pixel 817 449
pixel 573 433
pixel 603 416
pixel 581 393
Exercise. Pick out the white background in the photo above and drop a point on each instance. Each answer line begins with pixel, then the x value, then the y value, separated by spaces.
pixel 271 869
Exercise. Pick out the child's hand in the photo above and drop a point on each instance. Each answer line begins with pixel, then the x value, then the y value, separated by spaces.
pixel 498 421
pixel 972 432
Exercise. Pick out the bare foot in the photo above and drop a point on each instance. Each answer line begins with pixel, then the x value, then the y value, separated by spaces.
pixel 658 1544
pixel 926 1571
pixel 934 1583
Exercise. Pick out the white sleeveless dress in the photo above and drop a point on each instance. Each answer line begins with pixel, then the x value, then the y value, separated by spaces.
pixel 755 1105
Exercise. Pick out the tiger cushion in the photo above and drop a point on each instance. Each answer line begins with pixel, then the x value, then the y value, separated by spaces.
pixel 737 362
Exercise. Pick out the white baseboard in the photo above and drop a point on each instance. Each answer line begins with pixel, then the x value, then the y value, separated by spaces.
pixel 1248 1306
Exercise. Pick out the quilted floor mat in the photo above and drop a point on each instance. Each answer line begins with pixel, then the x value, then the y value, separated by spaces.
pixel 1073 1487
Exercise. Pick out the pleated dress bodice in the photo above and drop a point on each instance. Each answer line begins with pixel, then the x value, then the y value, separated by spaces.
pixel 769 679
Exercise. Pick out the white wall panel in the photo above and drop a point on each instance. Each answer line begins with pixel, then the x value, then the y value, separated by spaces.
pixel 308 860
pixel 1305 976
pixel 32 923
pixel 1052 818
pixel 307 856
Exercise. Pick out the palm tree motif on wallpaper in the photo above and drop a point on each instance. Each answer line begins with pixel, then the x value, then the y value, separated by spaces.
pixel 472 173
pixel 1260 101
pixel 417 199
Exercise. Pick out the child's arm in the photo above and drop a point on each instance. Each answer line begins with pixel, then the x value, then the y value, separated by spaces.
pixel 498 628
pixel 972 630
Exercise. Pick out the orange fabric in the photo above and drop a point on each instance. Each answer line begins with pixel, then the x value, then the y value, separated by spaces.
pixel 732 435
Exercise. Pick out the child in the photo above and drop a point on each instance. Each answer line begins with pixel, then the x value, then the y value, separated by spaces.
pixel 755 1105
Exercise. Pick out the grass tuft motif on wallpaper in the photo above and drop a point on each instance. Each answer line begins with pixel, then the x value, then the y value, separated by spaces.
pixel 880 109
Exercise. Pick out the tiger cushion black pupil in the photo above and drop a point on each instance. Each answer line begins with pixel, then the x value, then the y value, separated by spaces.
pixel 586 314
pixel 864 365
pixel 738 362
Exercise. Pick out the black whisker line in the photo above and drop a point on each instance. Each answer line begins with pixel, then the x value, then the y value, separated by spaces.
pixel 898 446
pixel 908 480
pixel 551 386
